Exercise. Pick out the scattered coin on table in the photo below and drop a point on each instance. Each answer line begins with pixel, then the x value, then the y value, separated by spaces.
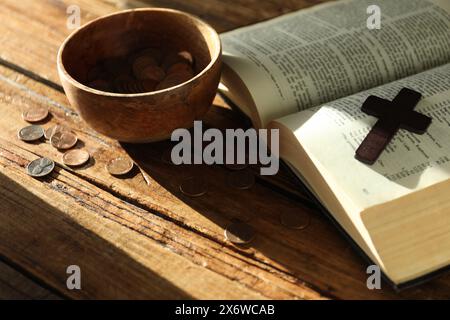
pixel 75 158
pixel 35 114
pixel 239 233
pixel 194 187
pixel 49 132
pixel 119 166
pixel 242 179
pixel 295 220
pixel 31 133
pixel 40 167
pixel 63 140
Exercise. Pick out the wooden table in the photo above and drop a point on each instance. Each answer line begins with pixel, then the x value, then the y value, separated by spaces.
pixel 138 239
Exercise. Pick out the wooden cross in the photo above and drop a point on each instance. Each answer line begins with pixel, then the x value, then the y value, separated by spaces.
pixel 392 116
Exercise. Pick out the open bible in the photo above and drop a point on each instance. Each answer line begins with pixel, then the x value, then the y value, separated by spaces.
pixel 307 74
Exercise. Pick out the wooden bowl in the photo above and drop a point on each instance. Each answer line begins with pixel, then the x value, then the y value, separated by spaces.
pixel 141 117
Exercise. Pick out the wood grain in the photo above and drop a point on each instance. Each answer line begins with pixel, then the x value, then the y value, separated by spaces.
pixel 17 286
pixel 136 239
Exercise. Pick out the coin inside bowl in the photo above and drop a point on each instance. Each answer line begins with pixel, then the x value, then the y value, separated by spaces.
pixel 112 69
pixel 109 53
pixel 145 70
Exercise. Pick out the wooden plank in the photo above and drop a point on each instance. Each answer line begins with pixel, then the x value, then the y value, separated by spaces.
pixel 277 264
pixel 224 15
pixel 16 286
pixel 280 259
pixel 45 23
pixel 153 198
pixel 62 221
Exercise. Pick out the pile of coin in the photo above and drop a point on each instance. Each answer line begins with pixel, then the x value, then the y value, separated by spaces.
pixel 147 70
pixel 60 137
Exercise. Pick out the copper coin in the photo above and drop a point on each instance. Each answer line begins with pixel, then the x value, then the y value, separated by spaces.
pixel 239 233
pixel 148 85
pixel 100 84
pixel 174 57
pixel 181 67
pixel 31 133
pixel 35 114
pixel 150 72
pixel 121 83
pixel 193 187
pixel 187 56
pixel 295 220
pixel 142 61
pixel 173 79
pixel 243 179
pixel 49 132
pixel 40 167
pixel 155 53
pixel 75 158
pixel 63 140
pixel 119 166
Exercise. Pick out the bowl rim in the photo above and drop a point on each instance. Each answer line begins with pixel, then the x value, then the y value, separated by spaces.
pixel 79 85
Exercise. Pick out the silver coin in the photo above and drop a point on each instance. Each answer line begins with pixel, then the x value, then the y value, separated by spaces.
pixel 295 220
pixel 40 167
pixel 239 233
pixel 193 187
pixel 31 133
pixel 242 179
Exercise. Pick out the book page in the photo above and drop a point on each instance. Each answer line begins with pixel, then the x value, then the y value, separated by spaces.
pixel 312 56
pixel 330 135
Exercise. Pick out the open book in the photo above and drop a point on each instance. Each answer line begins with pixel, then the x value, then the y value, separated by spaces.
pixel 307 73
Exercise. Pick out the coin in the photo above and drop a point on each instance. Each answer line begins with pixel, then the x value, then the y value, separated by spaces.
pixel 49 132
pixel 239 233
pixel 100 84
pixel 31 133
pixel 40 167
pixel 151 72
pixel 154 53
pixel 141 62
pixel 35 114
pixel 243 179
pixel 63 140
pixel 181 67
pixel 75 158
pixel 172 80
pixel 187 56
pixel 193 187
pixel 148 85
pixel 295 220
pixel 174 57
pixel 119 166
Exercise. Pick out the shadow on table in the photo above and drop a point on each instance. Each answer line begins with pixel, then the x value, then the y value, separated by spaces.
pixel 43 241
pixel 317 254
